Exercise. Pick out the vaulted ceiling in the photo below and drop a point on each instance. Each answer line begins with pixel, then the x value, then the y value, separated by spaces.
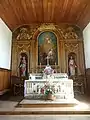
pixel 18 12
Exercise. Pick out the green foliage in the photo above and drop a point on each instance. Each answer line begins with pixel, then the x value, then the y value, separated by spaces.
pixel 49 89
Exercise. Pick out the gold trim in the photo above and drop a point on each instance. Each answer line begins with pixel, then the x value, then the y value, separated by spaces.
pixel 47 26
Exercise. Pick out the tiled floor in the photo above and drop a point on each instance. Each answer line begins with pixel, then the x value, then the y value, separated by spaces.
pixel 8 104
pixel 45 117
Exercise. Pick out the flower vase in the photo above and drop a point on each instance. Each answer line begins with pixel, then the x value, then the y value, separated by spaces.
pixel 50 96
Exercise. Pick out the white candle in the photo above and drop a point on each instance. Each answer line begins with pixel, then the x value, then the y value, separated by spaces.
pixel 40 65
pixel 55 64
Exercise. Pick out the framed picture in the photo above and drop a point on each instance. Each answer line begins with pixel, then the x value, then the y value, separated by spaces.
pixel 47 48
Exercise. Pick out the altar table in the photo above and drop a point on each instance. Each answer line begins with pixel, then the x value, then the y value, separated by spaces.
pixel 63 88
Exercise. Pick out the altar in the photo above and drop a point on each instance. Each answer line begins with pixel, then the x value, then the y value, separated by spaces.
pixel 35 87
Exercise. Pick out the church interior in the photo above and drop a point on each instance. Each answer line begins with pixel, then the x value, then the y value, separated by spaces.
pixel 44 59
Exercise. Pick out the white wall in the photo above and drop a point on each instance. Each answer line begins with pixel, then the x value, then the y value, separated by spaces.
pixel 86 35
pixel 5 45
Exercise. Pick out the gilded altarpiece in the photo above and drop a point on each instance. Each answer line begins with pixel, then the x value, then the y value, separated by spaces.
pixel 64 39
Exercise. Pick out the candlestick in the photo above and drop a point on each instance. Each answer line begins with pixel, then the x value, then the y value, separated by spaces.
pixel 55 67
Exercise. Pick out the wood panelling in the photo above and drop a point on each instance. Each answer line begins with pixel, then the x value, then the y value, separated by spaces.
pixel 4 80
pixel 19 12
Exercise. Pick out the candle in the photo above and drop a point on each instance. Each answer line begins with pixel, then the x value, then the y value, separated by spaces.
pixel 40 65
pixel 36 70
pixel 55 63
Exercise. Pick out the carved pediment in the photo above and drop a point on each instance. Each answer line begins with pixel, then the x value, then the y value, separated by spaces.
pixel 68 33
pixel 71 47
pixel 64 31
pixel 47 26
pixel 23 34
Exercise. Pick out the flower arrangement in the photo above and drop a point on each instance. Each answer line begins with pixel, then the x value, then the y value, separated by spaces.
pixel 48 90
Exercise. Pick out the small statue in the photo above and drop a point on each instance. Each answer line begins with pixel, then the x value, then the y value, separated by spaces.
pixel 72 66
pixel 48 70
pixel 23 67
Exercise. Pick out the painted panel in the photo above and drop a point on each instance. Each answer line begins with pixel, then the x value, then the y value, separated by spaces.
pixel 47 48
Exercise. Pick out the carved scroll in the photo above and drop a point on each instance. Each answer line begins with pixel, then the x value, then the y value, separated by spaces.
pixel 71 47
pixel 23 34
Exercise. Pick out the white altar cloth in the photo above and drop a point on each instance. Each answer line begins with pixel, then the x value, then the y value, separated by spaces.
pixel 63 88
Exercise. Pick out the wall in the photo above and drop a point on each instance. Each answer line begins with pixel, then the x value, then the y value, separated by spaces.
pixel 5 56
pixel 86 35
pixel 5 45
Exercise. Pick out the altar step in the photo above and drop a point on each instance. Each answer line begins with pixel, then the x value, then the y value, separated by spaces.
pixel 47 111
pixel 25 103
pixel 45 105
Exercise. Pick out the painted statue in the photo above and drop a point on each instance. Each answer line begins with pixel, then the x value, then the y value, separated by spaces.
pixel 23 67
pixel 72 66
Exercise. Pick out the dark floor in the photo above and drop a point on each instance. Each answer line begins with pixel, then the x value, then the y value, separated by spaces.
pixel 8 96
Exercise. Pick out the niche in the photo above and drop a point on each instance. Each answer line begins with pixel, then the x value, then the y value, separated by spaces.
pixel 72 64
pixel 23 66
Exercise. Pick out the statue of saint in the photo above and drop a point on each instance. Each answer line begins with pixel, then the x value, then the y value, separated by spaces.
pixel 72 66
pixel 23 67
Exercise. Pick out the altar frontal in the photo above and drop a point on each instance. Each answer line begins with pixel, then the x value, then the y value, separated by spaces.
pixel 39 86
